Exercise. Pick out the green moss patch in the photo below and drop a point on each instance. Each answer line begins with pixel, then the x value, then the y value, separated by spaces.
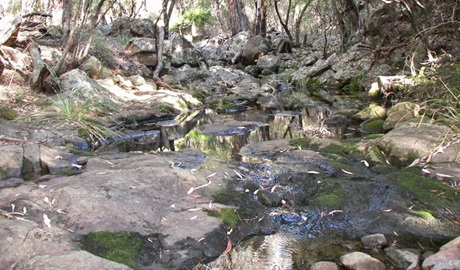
pixel 334 197
pixel 427 191
pixel 228 215
pixel 121 247
pixel 425 215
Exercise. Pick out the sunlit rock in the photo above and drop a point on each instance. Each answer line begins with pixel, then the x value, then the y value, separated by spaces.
pixel 358 260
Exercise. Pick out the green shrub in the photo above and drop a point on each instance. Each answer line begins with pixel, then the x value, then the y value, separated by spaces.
pixel 100 50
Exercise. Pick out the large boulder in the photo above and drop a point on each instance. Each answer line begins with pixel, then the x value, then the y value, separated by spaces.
pixel 269 62
pixel 406 143
pixel 128 27
pixel 255 48
pixel 223 49
pixel 143 50
pixel 126 193
pixel 179 51
pixel 77 85
pixel 354 63
pixel 358 260
pixel 301 76
pixel 9 29
pixel 92 66
pixel 399 113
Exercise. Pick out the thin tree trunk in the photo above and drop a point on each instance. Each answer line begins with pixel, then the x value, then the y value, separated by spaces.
pixel 160 39
pixel 167 12
pixel 285 23
pixel 299 20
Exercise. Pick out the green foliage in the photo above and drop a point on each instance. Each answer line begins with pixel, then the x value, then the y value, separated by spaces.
pixel 100 50
pixel 76 109
pixel 438 93
pixel 121 247
pixel 198 16
pixel 122 39
pixel 14 7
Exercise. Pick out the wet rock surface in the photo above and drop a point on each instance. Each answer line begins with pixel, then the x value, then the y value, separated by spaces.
pixel 257 180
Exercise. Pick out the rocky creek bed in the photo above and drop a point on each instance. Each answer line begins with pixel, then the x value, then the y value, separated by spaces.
pixel 230 195
pixel 281 166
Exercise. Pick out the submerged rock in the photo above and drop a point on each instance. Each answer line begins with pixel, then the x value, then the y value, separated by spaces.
pixel 374 241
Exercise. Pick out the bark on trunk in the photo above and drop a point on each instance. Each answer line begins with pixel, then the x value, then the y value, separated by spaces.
pixel 260 24
pixel 238 20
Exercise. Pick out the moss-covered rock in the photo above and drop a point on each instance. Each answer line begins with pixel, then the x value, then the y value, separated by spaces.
pixel 373 111
pixel 427 191
pixel 373 125
pixel 333 197
pixel 401 112
pixel 228 215
pixel 375 156
pixel 121 247
pixel 404 144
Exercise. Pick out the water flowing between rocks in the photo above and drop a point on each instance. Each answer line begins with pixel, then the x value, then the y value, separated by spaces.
pixel 316 203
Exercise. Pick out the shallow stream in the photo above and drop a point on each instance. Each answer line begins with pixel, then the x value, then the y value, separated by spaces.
pixel 320 201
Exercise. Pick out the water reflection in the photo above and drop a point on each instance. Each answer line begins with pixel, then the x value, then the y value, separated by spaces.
pixel 272 252
pixel 221 135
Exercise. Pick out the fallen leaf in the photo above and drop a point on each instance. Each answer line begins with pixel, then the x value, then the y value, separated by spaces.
pixel 426 171
pixel 333 212
pixel 229 247
pixel 77 166
pixel 273 188
pixel 202 186
pixel 444 175
pixel 240 175
pixel 415 162
pixel 46 220
pixel 365 163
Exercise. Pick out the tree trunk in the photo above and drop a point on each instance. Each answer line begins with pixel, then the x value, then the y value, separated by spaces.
pixel 159 40
pixel 260 25
pixel 75 16
pixel 161 35
pixel 238 19
pixel 167 12
pixel 285 23
pixel 298 22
